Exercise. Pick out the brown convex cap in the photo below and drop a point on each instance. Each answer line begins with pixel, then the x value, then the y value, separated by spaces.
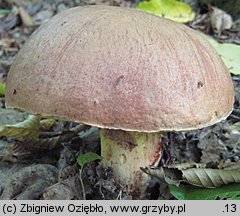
pixel 120 68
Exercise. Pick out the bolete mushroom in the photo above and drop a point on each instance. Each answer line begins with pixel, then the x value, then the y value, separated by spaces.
pixel 127 72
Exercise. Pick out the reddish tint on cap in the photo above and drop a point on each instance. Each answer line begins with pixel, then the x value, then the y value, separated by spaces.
pixel 120 68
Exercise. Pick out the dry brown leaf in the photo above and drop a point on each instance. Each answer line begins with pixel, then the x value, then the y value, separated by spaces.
pixel 6 42
pixel 50 143
pixel 210 178
pixel 229 166
pixel 25 17
pixel 68 171
pixel 195 174
pixel 68 189
pixel 211 148
pixel 14 152
pixel 220 20
pixel 109 185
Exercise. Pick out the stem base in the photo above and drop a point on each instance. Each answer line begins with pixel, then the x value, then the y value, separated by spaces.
pixel 125 152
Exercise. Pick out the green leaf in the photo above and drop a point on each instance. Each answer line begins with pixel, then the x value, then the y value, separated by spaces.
pixel 87 158
pixel 187 192
pixel 3 11
pixel 28 129
pixel 229 53
pixel 2 89
pixel 171 9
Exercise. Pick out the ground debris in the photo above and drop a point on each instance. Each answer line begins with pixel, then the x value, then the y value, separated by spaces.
pixel 212 148
pixel 220 20
pixel 68 189
pixel 28 182
pixel 25 17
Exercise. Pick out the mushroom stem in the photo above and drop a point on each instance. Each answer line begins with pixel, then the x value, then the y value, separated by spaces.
pixel 125 152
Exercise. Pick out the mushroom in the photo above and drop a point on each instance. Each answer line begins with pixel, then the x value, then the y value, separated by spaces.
pixel 130 73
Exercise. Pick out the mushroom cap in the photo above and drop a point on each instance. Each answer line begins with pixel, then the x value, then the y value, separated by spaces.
pixel 120 68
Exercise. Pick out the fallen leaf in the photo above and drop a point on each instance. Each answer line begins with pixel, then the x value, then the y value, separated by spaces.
pixel 28 129
pixel 6 42
pixel 210 178
pixel 170 9
pixel 68 171
pixel 26 18
pixel 220 20
pixel 2 89
pixel 9 22
pixel 229 165
pixel 189 192
pixel 14 153
pixel 109 185
pixel 211 148
pixel 43 144
pixel 195 174
pixel 67 189
pixel 28 182
pixel 11 116
pixel 46 124
pixel 4 11
pixel 229 53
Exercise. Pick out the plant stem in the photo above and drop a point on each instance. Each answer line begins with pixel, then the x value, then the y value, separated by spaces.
pixel 82 184
pixel 125 152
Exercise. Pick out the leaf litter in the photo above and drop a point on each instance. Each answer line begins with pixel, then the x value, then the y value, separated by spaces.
pixel 196 174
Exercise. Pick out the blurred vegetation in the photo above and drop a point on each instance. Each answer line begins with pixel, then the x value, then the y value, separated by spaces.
pixel 230 6
pixel 171 9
